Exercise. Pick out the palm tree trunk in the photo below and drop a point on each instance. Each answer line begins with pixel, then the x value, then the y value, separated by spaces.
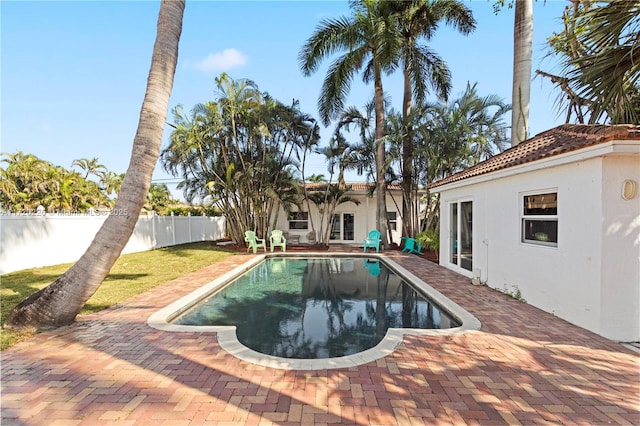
pixel 408 216
pixel 522 54
pixel 60 302
pixel 381 184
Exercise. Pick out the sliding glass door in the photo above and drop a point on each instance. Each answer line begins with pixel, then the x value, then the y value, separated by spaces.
pixel 461 234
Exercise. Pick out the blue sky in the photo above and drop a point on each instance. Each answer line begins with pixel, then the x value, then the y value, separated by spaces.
pixel 73 74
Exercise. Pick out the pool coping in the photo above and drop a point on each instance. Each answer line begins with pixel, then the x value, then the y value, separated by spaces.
pixel 229 342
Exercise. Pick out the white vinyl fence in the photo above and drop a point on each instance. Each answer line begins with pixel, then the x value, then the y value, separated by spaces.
pixel 28 241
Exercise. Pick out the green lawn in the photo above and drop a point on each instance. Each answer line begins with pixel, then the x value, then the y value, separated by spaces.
pixel 132 274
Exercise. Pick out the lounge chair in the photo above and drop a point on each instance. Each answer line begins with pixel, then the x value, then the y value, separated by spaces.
pixel 277 239
pixel 372 240
pixel 412 246
pixel 292 239
pixel 311 237
pixel 254 242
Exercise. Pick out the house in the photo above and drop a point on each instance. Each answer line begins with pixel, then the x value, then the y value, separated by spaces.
pixel 555 221
pixel 351 222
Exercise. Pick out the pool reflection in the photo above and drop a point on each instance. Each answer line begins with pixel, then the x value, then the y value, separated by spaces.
pixel 317 308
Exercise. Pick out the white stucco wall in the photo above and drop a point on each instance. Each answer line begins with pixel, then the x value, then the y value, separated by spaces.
pixel 364 218
pixel 592 277
pixel 620 292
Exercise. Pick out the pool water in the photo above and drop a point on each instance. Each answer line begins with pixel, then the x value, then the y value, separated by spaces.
pixel 317 308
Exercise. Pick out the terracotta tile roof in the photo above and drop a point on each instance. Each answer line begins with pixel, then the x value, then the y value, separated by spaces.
pixel 357 186
pixel 556 141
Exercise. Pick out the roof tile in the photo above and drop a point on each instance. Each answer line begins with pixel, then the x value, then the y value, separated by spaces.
pixel 553 142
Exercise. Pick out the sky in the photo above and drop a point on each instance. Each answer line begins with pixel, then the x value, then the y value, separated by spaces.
pixel 73 74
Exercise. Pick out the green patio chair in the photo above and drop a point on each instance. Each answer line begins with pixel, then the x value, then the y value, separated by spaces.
pixel 254 242
pixel 277 239
pixel 412 246
pixel 372 240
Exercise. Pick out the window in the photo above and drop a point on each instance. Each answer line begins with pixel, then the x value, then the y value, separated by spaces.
pixel 540 219
pixel 298 220
pixel 393 220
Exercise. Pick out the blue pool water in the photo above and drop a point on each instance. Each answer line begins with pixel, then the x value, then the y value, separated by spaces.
pixel 317 308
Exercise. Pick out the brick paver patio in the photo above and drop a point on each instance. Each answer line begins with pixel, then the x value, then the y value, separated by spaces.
pixel 524 367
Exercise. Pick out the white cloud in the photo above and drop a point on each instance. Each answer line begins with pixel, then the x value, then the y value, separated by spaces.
pixel 222 61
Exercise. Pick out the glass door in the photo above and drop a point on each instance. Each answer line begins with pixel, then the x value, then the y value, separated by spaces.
pixel 453 234
pixel 336 226
pixel 466 235
pixel 348 221
pixel 342 227
pixel 461 234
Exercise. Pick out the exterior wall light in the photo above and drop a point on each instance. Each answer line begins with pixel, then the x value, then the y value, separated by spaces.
pixel 629 189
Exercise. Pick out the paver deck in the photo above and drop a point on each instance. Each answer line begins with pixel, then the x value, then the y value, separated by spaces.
pixel 524 366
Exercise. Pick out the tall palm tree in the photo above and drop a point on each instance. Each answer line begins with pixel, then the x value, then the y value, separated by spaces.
pixel 369 39
pixel 522 58
pixel 421 67
pixel 59 303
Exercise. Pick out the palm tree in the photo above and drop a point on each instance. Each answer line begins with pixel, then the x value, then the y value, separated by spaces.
pixel 90 167
pixel 111 183
pixel 455 135
pixel 522 58
pixel 369 39
pixel 59 303
pixel 608 72
pixel 421 67
pixel 158 196
pixel 28 182
pixel 360 155
pixel 241 151
pixel 23 180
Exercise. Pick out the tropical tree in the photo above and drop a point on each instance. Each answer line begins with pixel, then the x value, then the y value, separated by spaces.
pixel 23 181
pixel 90 167
pixel 369 41
pixel 451 136
pixel 158 196
pixel 462 132
pixel 599 51
pixel 111 183
pixel 422 68
pixel 242 152
pixel 29 182
pixel 59 303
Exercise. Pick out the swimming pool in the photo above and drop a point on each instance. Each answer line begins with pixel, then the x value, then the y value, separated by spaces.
pixel 316 311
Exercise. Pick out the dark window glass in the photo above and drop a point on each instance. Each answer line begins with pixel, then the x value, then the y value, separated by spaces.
pixel 298 220
pixel 540 231
pixel 392 216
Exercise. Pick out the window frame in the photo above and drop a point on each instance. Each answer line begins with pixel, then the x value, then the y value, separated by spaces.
pixel 525 217
pixel 393 223
pixel 304 222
